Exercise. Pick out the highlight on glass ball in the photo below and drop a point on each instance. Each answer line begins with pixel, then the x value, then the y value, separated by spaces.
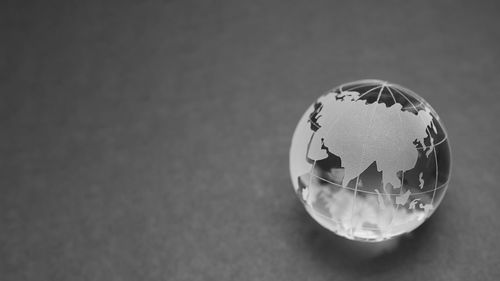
pixel 370 160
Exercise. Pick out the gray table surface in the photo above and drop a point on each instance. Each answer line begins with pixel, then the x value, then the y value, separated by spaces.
pixel 149 140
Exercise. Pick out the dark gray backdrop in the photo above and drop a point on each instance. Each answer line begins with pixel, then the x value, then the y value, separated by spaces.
pixel 149 141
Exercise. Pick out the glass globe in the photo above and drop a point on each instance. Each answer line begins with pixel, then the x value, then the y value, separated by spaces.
pixel 370 160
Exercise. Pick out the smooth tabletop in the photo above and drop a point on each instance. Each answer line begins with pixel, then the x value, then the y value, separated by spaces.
pixel 149 140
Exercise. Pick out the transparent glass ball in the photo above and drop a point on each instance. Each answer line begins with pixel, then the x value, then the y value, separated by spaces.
pixel 370 160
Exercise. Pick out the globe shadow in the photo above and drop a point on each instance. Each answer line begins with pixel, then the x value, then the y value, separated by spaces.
pixel 362 258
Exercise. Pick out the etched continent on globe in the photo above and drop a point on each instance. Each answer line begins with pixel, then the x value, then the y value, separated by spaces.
pixel 370 160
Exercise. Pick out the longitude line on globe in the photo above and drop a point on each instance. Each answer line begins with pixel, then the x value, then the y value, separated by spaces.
pixel 357 87
pixel 435 155
pixel 332 125
pixel 362 154
pixel 369 92
pixel 310 180
pixel 399 148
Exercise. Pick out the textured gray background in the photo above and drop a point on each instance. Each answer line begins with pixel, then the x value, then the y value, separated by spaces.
pixel 149 141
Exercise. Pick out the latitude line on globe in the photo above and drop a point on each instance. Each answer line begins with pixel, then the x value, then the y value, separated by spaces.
pixel 369 192
pixel 435 153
